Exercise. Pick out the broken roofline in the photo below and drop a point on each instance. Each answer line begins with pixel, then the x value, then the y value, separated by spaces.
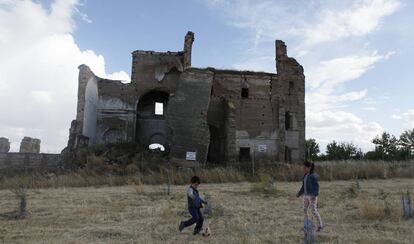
pixel 240 72
pixel 281 52
pixel 215 70
pixel 150 52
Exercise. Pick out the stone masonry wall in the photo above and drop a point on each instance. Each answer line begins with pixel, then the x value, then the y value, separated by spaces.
pixel 187 114
pixel 250 122
pixel 4 145
pixel 26 162
pixel 30 145
pixel 199 104
pixel 288 97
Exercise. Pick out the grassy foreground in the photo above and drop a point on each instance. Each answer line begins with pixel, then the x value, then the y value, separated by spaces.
pixel 242 213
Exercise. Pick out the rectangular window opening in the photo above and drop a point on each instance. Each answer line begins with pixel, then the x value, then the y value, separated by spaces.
pixel 245 92
pixel 244 154
pixel 291 88
pixel 159 108
pixel 288 121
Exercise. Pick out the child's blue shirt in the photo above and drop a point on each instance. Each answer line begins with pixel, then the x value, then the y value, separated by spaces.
pixel 193 198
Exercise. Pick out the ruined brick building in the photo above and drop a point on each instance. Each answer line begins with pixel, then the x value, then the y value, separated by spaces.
pixel 202 114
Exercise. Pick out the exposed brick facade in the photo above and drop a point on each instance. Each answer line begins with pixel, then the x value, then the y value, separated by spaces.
pixel 221 115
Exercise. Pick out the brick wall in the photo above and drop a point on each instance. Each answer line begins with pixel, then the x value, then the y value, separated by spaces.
pixel 23 162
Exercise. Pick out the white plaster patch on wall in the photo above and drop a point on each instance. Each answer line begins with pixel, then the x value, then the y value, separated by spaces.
pixel 242 134
pixel 266 139
pixel 113 103
pixel 90 111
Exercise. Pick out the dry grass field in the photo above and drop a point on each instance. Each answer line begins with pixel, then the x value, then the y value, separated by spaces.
pixel 242 214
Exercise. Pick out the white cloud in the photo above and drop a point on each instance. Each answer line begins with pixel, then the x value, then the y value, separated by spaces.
pixel 326 118
pixel 121 75
pixel 341 126
pixel 370 108
pixel 409 118
pixel 38 75
pixel 369 101
pixel 328 74
pixel 405 119
pixel 42 96
pixel 314 22
pixel 362 18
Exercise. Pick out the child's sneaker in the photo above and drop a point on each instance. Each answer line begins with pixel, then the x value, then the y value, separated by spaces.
pixel 181 226
pixel 196 232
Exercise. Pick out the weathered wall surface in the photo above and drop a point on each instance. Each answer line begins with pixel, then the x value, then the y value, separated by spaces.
pixel 90 110
pixel 109 113
pixel 217 113
pixel 85 74
pixel 116 112
pixel 149 67
pixel 288 96
pixel 30 145
pixel 187 114
pixel 250 123
pixel 26 162
pixel 188 44
pixel 4 145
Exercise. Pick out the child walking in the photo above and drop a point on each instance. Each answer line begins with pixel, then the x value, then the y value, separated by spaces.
pixel 310 192
pixel 195 203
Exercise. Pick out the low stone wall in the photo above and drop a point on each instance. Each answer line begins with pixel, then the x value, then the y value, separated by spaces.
pixel 27 162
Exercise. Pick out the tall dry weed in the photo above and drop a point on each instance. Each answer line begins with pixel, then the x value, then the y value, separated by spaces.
pixel 373 210
pixel 97 172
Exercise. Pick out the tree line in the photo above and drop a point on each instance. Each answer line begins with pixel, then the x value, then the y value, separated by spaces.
pixel 387 147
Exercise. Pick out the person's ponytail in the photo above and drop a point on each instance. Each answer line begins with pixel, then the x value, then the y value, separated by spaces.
pixel 312 168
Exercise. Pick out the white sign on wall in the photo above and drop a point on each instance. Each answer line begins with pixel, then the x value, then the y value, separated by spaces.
pixel 262 148
pixel 191 156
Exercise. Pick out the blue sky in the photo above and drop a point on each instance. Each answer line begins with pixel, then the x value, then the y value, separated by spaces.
pixel 356 55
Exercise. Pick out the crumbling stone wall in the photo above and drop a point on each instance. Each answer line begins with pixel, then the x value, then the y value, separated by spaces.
pixel 4 145
pixel 187 114
pixel 30 145
pixel 250 124
pixel 188 45
pixel 222 115
pixel 26 162
pixel 28 159
pixel 288 97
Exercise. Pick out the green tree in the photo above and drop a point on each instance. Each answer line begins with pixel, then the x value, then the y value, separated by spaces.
pixel 386 146
pixel 359 154
pixel 406 141
pixel 341 151
pixel 312 149
pixel 372 155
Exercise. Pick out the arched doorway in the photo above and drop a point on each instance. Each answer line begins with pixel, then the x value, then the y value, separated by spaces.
pixel 152 130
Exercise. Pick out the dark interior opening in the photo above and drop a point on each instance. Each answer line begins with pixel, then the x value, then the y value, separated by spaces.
pixel 291 87
pixel 288 121
pixel 245 92
pixel 244 154
pixel 217 116
pixel 288 155
pixel 216 149
pixel 148 103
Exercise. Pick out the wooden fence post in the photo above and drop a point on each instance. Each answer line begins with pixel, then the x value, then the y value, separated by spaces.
pixel 309 231
pixel 406 206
